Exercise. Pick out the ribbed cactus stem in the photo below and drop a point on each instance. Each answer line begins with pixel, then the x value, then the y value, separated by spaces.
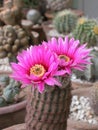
pixel 65 21
pixel 49 110
pixel 87 31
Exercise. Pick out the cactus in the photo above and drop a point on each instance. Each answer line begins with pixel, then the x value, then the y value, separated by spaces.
pixel 65 21
pixel 91 72
pixel 10 92
pixel 57 5
pixel 94 98
pixel 4 80
pixel 34 16
pixel 12 40
pixel 86 31
pixel 2 102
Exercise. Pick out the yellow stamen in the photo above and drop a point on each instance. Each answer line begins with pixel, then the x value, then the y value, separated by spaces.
pixel 66 58
pixel 37 70
pixel 95 30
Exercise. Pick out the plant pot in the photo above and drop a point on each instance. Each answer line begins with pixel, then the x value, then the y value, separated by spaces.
pixel 49 109
pixel 23 127
pixel 50 15
pixel 80 125
pixel 13 114
pixel 50 31
pixel 77 84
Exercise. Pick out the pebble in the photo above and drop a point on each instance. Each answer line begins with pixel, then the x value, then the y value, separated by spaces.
pixel 80 109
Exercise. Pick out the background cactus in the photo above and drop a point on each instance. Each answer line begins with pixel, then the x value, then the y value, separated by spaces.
pixel 12 40
pixel 94 98
pixel 34 16
pixel 65 21
pixel 57 5
pixel 87 31
pixel 9 92
pixel 91 72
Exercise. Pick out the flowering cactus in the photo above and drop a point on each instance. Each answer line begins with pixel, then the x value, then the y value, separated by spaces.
pixel 47 67
pixel 39 65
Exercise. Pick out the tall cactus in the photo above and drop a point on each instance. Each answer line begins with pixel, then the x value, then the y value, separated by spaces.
pixel 87 31
pixel 65 21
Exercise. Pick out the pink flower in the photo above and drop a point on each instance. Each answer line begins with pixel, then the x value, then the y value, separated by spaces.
pixel 36 66
pixel 71 54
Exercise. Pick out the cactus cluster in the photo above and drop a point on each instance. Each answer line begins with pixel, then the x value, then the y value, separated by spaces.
pixel 94 98
pixel 87 31
pixel 65 21
pixel 8 93
pixel 12 39
pixel 11 13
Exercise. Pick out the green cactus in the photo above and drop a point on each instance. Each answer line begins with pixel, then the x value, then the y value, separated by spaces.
pixel 86 31
pixel 2 102
pixel 4 80
pixel 91 71
pixel 65 21
pixel 11 91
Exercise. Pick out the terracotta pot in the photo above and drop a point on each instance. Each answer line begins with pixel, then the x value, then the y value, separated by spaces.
pixel 77 85
pixel 46 28
pixel 50 15
pixel 13 114
pixel 80 125
pixel 23 127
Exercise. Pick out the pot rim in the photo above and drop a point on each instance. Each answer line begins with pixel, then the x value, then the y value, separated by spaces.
pixel 13 108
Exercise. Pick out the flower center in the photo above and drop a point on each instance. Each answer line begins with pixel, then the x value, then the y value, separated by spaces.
pixel 96 30
pixel 37 70
pixel 66 58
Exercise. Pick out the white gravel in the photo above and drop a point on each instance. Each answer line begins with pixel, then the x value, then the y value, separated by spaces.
pixel 80 110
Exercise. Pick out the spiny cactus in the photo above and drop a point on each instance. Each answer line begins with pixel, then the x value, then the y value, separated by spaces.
pixel 4 80
pixel 12 40
pixel 2 102
pixel 65 21
pixel 87 31
pixel 9 93
pixel 94 98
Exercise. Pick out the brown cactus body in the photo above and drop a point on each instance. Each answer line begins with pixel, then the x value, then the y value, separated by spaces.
pixel 49 111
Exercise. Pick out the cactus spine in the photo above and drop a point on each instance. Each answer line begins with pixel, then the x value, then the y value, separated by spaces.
pixel 87 31
pixel 65 21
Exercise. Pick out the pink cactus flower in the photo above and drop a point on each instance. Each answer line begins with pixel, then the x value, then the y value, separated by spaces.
pixel 71 54
pixel 37 66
